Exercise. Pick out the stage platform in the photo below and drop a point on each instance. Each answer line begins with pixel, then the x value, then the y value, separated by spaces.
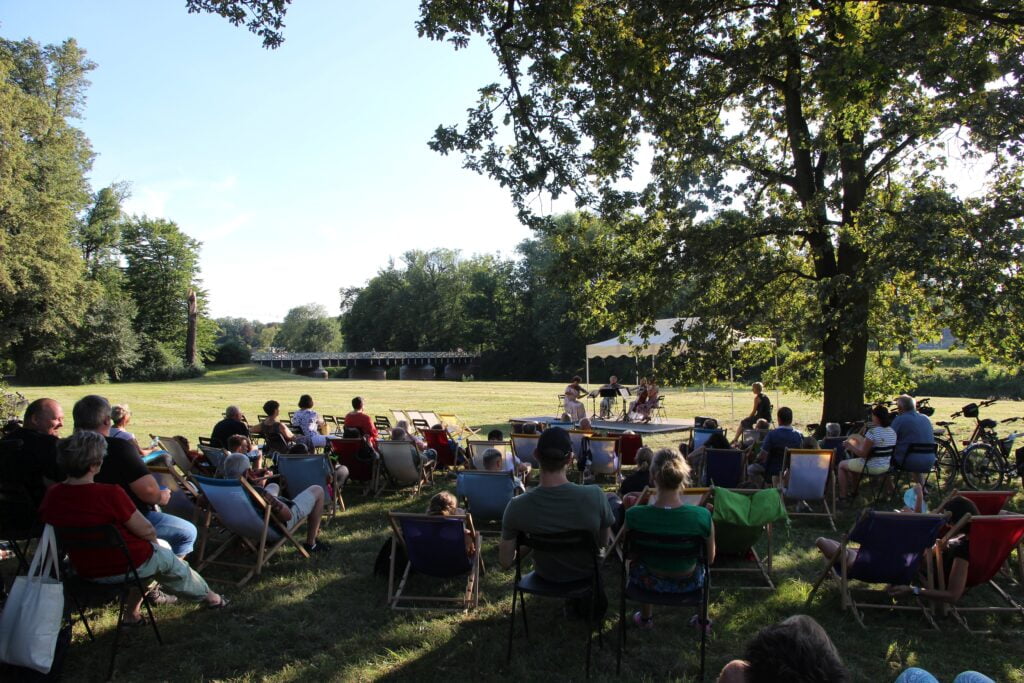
pixel 666 427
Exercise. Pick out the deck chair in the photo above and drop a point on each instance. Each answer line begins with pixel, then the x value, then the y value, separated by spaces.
pixel 475 451
pixel 741 518
pixel 434 546
pixel 987 502
pixel 638 545
pixel 835 443
pixel 401 467
pixel 524 446
pixel 234 503
pixel 486 495
pixel 697 495
pixel 456 425
pixel 183 492
pixel 993 539
pixel 173 447
pixel 604 456
pixel 891 548
pixel 302 471
pixel 724 467
pixel 361 469
pixel 417 421
pixel 440 441
pixel 381 422
pixel 400 416
pixel 214 456
pixel 579 442
pixel 699 436
pixel 629 444
pixel 810 479
pixel 431 418
pixel 205 441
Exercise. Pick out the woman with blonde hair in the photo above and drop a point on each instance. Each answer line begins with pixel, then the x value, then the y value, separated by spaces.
pixel 120 416
pixel 666 513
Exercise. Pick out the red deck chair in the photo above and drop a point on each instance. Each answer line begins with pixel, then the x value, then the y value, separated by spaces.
pixel 993 538
pixel 439 440
pixel 359 469
pixel 987 502
pixel 629 444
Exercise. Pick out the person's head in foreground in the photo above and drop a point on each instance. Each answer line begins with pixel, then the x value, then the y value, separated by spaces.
pixel 442 504
pixel 905 404
pixel 785 416
pixel 669 471
pixel 92 413
pixel 958 507
pixel 233 413
pixel 761 424
pixel 239 444
pixel 78 454
pixel 554 450
pixel 880 415
pixel 357 403
pixel 492 460
pixel 235 466
pixel 44 415
pixel 796 650
pixel 710 423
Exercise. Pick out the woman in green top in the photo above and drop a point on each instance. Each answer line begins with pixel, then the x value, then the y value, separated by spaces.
pixel 665 513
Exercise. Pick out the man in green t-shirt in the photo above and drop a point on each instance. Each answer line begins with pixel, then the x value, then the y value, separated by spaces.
pixel 556 505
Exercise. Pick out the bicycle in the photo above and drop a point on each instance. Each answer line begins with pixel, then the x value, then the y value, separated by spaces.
pixel 987 463
pixel 950 461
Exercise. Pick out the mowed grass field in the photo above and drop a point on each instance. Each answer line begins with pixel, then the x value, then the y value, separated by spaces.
pixel 325 619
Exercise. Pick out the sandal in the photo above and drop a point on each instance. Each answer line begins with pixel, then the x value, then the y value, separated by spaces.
pixel 141 621
pixel 220 605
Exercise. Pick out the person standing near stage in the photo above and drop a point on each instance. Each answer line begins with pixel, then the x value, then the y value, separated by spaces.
pixel 574 408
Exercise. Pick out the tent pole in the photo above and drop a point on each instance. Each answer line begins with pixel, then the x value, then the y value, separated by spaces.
pixel 588 372
pixel 732 394
pixel 704 393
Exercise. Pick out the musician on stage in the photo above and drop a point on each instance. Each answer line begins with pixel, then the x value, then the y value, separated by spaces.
pixel 573 406
pixel 608 393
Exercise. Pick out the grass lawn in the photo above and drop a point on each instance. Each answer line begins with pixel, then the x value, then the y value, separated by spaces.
pixel 325 619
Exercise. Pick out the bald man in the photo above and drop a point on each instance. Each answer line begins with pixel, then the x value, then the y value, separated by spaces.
pixel 33 462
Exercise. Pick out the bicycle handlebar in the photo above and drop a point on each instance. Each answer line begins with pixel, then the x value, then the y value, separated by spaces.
pixel 1011 419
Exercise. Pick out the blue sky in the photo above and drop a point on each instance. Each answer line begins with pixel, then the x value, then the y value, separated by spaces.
pixel 302 169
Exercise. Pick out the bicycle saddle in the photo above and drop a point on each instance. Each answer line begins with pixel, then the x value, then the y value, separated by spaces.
pixel 988 424
pixel 941 423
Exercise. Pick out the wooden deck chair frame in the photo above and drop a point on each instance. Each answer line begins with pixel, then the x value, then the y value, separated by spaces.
pixel 848 601
pixel 431 417
pixel 417 421
pixel 830 483
pixel 762 567
pixel 182 480
pixel 177 453
pixel 959 611
pixel 456 426
pixel 381 422
pixel 384 477
pixel 470 598
pixel 475 448
pixel 264 548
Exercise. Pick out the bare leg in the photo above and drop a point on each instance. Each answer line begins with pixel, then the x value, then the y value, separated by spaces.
pixel 828 548
pixel 844 479
pixel 313 523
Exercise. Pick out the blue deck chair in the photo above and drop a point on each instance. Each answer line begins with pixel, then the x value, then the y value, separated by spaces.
pixel 891 548
pixel 579 438
pixel 724 467
pixel 183 491
pixel 810 479
pixel 434 546
pixel 234 503
pixel 700 436
pixel 401 466
pixel 475 449
pixel 214 456
pixel 485 495
pixel 525 446
pixel 302 471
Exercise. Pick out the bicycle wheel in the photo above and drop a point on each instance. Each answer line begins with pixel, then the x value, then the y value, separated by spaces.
pixel 946 467
pixel 981 465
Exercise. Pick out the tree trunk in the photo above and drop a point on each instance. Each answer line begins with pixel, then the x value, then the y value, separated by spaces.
pixel 843 380
pixel 190 335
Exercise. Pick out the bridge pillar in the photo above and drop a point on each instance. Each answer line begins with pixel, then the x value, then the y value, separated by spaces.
pixel 417 372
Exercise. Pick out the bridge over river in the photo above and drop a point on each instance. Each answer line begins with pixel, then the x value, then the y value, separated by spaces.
pixel 374 364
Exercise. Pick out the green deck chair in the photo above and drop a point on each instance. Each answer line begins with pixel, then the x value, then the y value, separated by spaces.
pixel 741 518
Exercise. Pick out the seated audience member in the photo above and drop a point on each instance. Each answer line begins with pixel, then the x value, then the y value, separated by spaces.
pixel 665 513
pixel 459 451
pixel 80 501
pixel 310 422
pixel 809 442
pixel 833 430
pixel 916 675
pixel 421 444
pixel 796 650
pixel 558 505
pixel 256 474
pixel 762 410
pixel 444 504
pixel 911 427
pixel 574 408
pixel 424 453
pixel 495 435
pixel 639 480
pixel 276 433
pixel 34 463
pixel 879 435
pixel 773 448
pixel 120 416
pixel 360 420
pixel 493 460
pixel 233 423
pixel 716 440
pixel 309 504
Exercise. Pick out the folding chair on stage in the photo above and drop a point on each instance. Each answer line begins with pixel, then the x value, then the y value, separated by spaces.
pixel 604 456
pixel 302 471
pixel 234 502
pixel 440 441
pixel 724 467
pixel 810 479
pixel 350 454
pixel 659 409
pixel 892 546
pixel 524 446
pixel 401 467
pixel 434 546
pixel 638 546
pixel 629 444
pixel 486 495
pixel 993 539
pixel 741 518
pixel 475 452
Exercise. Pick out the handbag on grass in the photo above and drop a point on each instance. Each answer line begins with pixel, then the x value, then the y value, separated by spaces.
pixel 32 615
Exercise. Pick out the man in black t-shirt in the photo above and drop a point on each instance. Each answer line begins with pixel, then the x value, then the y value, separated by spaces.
pixel 34 462
pixel 231 424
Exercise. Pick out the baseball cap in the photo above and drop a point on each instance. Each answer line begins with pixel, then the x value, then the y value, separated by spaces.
pixel 554 442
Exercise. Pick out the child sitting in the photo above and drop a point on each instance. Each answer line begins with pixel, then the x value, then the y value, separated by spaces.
pixel 444 505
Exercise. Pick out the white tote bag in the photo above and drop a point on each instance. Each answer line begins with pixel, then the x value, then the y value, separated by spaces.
pixel 34 610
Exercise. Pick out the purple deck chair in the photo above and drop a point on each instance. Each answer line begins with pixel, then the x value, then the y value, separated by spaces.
pixel 724 467
pixel 891 548
pixel 434 546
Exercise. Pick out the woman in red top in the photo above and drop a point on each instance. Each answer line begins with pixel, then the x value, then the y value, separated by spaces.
pixel 80 502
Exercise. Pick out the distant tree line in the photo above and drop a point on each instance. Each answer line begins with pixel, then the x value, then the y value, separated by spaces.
pixel 87 294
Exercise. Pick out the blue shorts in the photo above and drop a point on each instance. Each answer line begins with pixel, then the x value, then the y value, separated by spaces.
pixel 642 577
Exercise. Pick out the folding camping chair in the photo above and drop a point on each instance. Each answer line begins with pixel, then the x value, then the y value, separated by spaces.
pixel 434 546
pixel 234 502
pixel 604 456
pixel 724 467
pixel 919 458
pixel 440 441
pixel 881 477
pixel 629 444
pixel 809 478
pixel 891 548
pixel 741 518
pixel 350 454
pixel 302 471
pixel 524 446
pixel 486 495
pixel 993 539
pixel 638 546
pixel 475 452
pixel 402 467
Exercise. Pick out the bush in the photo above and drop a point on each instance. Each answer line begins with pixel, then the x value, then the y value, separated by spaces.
pixel 233 352
pixel 157 364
